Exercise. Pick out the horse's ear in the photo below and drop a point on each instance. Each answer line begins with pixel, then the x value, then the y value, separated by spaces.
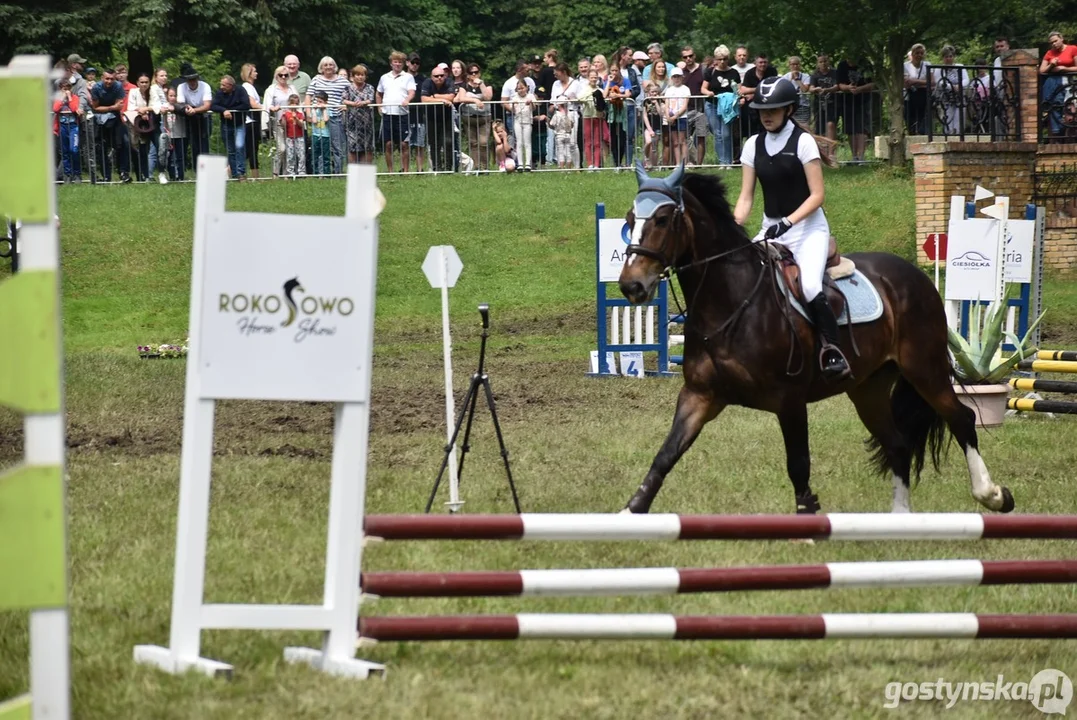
pixel 641 173
pixel 673 182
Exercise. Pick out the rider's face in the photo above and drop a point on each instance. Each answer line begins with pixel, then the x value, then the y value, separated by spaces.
pixel 772 118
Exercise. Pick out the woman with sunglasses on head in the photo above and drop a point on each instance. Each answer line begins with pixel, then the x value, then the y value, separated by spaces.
pixel 472 101
pixel 786 160
pixel 276 101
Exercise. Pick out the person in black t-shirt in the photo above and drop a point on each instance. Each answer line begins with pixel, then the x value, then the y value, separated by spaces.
pixel 437 95
pixel 786 160
pixel 718 80
pixel 749 122
pixel 856 86
pixel 824 86
pixel 416 116
pixel 542 138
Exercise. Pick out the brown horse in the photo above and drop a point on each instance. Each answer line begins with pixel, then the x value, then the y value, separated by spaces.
pixel 743 346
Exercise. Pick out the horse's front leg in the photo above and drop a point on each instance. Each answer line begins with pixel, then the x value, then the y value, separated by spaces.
pixel 793 420
pixel 694 410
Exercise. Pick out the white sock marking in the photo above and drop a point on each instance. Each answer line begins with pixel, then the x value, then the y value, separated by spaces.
pixel 901 495
pixel 984 490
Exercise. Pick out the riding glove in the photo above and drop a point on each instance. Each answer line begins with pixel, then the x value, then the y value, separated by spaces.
pixel 778 229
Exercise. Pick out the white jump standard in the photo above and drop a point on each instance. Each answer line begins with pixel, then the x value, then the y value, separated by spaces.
pixel 313 335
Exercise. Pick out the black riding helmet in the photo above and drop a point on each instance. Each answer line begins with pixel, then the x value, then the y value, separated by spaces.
pixel 774 92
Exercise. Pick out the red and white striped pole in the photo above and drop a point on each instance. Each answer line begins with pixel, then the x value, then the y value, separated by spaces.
pixel 635 581
pixel 730 627
pixel 837 526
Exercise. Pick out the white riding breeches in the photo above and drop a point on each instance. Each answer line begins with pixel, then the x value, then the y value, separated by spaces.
pixel 809 240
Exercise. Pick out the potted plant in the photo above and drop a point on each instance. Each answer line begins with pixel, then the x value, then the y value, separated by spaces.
pixel 980 370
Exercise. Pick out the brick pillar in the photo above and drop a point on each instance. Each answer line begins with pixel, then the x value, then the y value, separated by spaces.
pixel 932 193
pixel 1027 62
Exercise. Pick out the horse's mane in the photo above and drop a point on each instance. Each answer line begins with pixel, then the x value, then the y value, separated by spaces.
pixel 710 191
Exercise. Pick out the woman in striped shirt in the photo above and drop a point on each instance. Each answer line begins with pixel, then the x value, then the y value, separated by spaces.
pixel 333 86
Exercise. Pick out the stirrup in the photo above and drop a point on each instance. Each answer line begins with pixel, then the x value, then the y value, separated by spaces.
pixel 833 365
pixel 808 504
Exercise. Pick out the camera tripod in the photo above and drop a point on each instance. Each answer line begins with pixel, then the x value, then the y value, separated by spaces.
pixel 479 379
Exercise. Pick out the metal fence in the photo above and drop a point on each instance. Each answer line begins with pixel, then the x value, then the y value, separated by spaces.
pixel 962 101
pixel 1058 107
pixel 1055 189
pixel 429 138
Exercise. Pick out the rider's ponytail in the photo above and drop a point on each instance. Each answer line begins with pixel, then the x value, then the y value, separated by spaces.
pixel 826 145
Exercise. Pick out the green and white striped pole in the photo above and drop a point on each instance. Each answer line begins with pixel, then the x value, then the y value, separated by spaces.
pixel 33 541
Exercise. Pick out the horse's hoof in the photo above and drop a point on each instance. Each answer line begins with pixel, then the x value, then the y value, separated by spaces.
pixel 1007 501
pixel 626 511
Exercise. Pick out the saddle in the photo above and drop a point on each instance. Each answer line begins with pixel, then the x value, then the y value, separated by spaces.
pixel 837 267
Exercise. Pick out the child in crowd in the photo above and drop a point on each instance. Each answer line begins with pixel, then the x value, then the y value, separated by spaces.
pixel 677 95
pixel 320 144
pixel 563 124
pixel 506 155
pixel 593 120
pixel 91 78
pixel 164 141
pixel 522 104
pixel 295 144
pixel 654 109
pixel 65 125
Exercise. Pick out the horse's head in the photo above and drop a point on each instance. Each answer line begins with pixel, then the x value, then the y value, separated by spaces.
pixel 661 237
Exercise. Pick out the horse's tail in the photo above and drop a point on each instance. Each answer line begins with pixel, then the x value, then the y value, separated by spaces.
pixel 923 429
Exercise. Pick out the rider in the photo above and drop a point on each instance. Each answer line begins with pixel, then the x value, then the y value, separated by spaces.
pixel 787 162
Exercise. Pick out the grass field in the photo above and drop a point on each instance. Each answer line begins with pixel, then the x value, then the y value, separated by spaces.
pixel 576 445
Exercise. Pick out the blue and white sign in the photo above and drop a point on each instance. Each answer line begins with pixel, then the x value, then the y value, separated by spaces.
pixel 613 239
pixel 1019 242
pixel 611 363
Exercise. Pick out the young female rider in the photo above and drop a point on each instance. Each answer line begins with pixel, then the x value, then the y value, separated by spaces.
pixel 786 160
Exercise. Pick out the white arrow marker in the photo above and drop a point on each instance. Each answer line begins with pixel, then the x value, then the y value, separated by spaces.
pixel 442 267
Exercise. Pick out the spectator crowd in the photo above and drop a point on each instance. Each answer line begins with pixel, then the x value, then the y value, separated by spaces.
pixel 447 116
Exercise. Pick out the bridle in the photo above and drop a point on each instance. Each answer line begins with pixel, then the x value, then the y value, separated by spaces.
pixel 659 255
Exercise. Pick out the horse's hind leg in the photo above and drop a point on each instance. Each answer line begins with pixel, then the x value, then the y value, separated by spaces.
pixel 929 382
pixel 890 450
pixel 694 410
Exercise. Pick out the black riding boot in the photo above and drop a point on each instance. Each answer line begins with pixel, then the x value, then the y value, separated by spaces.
pixel 832 361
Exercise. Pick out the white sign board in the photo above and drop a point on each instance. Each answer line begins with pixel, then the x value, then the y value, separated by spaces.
pixel 442 266
pixel 1019 238
pixel 613 237
pixel 632 363
pixel 285 314
pixel 972 259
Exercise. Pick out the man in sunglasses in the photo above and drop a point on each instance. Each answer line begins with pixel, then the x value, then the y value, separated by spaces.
pixel 437 95
pixel 697 118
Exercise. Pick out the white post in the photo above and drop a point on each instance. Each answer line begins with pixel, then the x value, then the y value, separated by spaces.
pixel 450 402
pixel 442 267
